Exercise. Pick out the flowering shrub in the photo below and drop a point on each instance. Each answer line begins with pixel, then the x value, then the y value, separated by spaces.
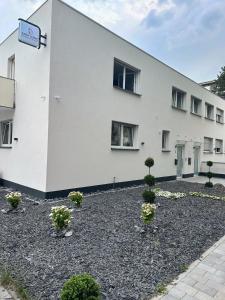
pixel 81 287
pixel 76 197
pixel 168 194
pixel 199 194
pixel 60 216
pixel 147 212
pixel 14 198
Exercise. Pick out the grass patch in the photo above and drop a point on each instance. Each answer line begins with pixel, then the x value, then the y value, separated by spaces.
pixel 183 268
pixel 161 288
pixel 8 282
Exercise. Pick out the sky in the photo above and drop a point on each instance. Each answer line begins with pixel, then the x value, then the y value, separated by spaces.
pixel 188 35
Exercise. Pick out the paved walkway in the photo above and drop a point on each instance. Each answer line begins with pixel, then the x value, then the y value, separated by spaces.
pixel 4 295
pixel 204 279
pixel 203 179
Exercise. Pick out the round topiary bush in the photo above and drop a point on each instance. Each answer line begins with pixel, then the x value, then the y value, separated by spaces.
pixel 149 180
pixel 209 163
pixel 149 196
pixel 81 287
pixel 209 184
pixel 209 175
pixel 149 162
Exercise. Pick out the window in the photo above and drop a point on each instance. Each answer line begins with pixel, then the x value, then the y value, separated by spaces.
pixel 165 140
pixel 196 106
pixel 6 133
pixel 208 144
pixel 209 111
pixel 123 135
pixel 125 77
pixel 11 67
pixel 219 146
pixel 178 99
pixel 219 115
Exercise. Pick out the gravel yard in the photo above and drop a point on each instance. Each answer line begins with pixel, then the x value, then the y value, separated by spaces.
pixel 107 242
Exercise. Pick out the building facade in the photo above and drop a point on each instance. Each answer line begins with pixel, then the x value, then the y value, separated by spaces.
pixel 86 111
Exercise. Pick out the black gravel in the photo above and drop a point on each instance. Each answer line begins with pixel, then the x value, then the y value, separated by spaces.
pixel 107 241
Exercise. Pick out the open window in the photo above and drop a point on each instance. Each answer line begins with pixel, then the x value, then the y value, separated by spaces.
pixel 11 67
pixel 178 99
pixel 219 116
pixel 6 133
pixel 209 111
pixel 165 140
pixel 218 146
pixel 125 77
pixel 123 135
pixel 196 106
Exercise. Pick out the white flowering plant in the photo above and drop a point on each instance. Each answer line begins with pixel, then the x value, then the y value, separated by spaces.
pixel 60 216
pixel 14 199
pixel 147 212
pixel 76 197
pixel 167 194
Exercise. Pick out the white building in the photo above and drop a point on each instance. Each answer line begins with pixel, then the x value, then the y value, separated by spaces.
pixel 90 107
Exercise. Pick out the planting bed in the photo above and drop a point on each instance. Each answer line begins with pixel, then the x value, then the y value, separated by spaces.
pixel 107 241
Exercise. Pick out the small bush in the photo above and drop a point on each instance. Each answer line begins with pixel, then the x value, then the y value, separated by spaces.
pixel 147 212
pixel 149 162
pixel 209 174
pixel 61 217
pixel 209 163
pixel 76 197
pixel 81 287
pixel 149 196
pixel 149 180
pixel 209 184
pixel 14 199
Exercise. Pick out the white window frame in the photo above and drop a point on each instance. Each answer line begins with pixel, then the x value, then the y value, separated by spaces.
pixel 218 111
pixel 210 142
pixel 199 102
pixel 221 143
pixel 134 136
pixel 166 135
pixel 174 100
pixel 136 77
pixel 9 144
pixel 11 67
pixel 211 117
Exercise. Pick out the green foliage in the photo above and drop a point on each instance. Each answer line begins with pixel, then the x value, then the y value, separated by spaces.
pixel 209 174
pixel 76 197
pixel 81 287
pixel 149 180
pixel 220 83
pixel 160 288
pixel 209 184
pixel 60 216
pixel 209 163
pixel 14 199
pixel 147 212
pixel 149 162
pixel 149 196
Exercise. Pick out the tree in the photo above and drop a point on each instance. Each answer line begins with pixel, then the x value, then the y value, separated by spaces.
pixel 220 83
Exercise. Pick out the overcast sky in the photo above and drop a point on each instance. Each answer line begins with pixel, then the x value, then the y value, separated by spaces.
pixel 188 35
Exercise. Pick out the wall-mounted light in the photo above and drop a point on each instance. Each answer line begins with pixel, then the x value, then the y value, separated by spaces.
pixel 57 98
pixel 142 143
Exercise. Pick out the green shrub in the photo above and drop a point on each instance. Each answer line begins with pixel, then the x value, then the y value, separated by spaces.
pixel 209 163
pixel 149 162
pixel 76 197
pixel 147 212
pixel 149 180
pixel 149 196
pixel 81 287
pixel 209 174
pixel 209 184
pixel 14 199
pixel 61 217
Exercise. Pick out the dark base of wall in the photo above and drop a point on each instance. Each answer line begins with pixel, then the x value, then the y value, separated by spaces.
pixel 188 175
pixel 217 175
pixel 88 189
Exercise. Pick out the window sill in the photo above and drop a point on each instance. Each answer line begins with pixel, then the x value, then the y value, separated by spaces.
pixel 208 152
pixel 5 147
pixel 222 123
pixel 209 119
pixel 127 91
pixel 218 152
pixel 166 150
pixel 124 148
pixel 197 115
pixel 180 109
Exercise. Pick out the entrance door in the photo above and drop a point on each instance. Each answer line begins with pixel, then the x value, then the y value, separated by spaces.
pixel 180 150
pixel 196 160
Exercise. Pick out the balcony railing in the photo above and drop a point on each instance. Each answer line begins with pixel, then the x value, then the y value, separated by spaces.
pixel 7 92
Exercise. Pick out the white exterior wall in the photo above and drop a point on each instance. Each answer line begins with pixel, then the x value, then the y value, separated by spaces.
pixel 25 163
pixel 79 145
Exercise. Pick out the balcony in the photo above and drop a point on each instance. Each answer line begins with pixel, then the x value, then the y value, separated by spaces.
pixel 7 92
